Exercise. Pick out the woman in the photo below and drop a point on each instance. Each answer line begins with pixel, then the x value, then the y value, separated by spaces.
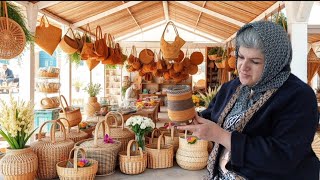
pixel 263 122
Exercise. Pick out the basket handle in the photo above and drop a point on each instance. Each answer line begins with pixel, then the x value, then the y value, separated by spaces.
pixel 153 133
pixel 172 133
pixel 75 156
pixel 185 134
pixel 52 130
pixel 95 138
pixel 174 26
pixel 68 125
pixel 159 141
pixel 136 145
pixel 134 51
pixel 6 13
pixel 65 101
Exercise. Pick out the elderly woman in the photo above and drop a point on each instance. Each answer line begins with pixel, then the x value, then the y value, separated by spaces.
pixel 263 122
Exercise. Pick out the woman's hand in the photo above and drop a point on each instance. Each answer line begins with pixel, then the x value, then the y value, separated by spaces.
pixel 208 130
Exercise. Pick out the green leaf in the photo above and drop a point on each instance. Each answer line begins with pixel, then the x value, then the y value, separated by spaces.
pixel 7 139
pixel 27 138
pixel 14 141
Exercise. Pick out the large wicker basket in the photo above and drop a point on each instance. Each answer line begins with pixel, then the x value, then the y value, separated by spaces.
pixel 120 133
pixel 192 156
pixel 105 153
pixel 75 173
pixel 133 162
pixel 74 134
pixel 160 155
pixel 51 150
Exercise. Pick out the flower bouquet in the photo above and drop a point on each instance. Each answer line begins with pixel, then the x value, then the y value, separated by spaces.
pixel 140 125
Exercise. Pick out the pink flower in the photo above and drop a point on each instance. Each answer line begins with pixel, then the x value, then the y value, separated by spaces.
pixel 107 139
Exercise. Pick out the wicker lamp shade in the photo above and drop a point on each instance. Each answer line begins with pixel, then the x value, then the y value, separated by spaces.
pixel 12 39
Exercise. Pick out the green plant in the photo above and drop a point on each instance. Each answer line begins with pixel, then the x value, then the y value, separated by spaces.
pixel 75 58
pixel 111 66
pixel 216 50
pixel 282 20
pixel 16 122
pixel 93 89
pixel 15 13
pixel 77 84
pixel 209 95
pixel 124 89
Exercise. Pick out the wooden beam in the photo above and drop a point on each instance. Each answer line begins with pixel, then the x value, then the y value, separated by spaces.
pixel 212 13
pixel 134 19
pixel 272 8
pixel 45 4
pixel 166 10
pixel 195 27
pixel 121 38
pixel 106 13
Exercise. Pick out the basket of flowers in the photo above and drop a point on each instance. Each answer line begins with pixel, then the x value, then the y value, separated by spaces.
pixel 77 168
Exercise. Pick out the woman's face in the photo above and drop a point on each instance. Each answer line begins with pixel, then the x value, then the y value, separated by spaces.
pixel 250 65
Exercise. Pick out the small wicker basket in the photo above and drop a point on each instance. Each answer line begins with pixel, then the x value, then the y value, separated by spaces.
pixel 75 173
pixel 133 162
pixel 45 74
pixel 160 155
pixel 74 134
pixel 153 138
pixel 172 138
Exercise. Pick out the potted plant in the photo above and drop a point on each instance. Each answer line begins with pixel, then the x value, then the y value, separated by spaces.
pixel 215 53
pixel 16 122
pixel 92 106
pixel 209 95
pixel 77 85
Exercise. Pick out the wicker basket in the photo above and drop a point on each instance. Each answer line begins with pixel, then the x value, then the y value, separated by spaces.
pixel 72 114
pixel 133 162
pixel 120 133
pixel 172 138
pixel 192 156
pixel 75 173
pixel 105 154
pixel 160 155
pixel 153 138
pixel 316 144
pixel 51 150
pixel 74 134
pixel 47 74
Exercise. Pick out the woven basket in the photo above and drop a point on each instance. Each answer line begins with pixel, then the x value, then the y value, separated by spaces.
pixel 120 133
pixel 67 44
pixel 74 134
pixel 232 62
pixel 105 153
pixel 72 114
pixel 12 39
pixel 160 155
pixel 51 150
pixel 180 105
pixel 196 58
pixel 152 137
pixel 316 144
pixel 47 74
pixel 172 138
pixel 133 162
pixel 75 173
pixel 19 164
pixel 192 156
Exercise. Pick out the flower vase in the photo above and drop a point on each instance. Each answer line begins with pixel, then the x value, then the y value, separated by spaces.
pixel 141 140
pixel 92 106
pixel 19 164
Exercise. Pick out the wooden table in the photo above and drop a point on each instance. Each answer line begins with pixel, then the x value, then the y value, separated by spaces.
pixel 151 113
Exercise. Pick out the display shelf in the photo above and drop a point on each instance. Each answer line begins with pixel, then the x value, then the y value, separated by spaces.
pixel 113 77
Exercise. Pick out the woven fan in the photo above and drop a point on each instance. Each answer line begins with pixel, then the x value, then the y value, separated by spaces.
pixel 12 39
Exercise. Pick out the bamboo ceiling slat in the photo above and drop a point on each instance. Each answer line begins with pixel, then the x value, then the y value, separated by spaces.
pixel 184 20
pixel 216 29
pixel 312 38
pixel 141 7
pixel 178 13
pixel 147 20
pixel 75 11
pixel 177 6
pixel 261 4
pixel 153 21
pixel 218 23
pixel 244 6
pixel 214 33
pixel 198 3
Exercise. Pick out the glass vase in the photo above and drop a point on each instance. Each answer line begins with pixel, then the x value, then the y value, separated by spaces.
pixel 140 140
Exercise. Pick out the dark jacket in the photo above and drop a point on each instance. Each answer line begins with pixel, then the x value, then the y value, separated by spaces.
pixel 276 142
pixel 9 73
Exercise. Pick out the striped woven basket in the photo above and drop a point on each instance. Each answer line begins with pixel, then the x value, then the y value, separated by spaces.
pixel 180 105
pixel 133 161
pixel 77 173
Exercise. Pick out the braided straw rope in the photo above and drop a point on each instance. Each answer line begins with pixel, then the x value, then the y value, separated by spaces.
pixel 133 161
pixel 192 156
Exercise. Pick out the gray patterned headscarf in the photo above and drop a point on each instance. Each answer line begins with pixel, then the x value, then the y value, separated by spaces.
pixel 278 55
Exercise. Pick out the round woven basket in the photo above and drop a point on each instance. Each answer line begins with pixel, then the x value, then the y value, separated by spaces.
pixel 51 150
pixel 180 104
pixel 232 62
pixel 196 58
pixel 105 153
pixel 146 56
pixel 180 57
pixel 160 155
pixel 74 134
pixel 192 156
pixel 47 74
pixel 316 144
pixel 76 173
pixel 12 38
pixel 133 161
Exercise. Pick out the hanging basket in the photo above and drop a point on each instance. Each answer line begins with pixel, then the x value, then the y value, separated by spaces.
pixel 12 37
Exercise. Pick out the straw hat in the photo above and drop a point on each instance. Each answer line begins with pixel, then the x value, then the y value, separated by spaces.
pixel 146 56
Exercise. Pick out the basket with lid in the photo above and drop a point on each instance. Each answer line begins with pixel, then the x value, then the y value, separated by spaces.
pixel 74 134
pixel 51 150
pixel 105 153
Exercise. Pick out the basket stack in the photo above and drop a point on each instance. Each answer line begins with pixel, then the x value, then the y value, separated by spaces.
pixel 192 156
pixel 133 161
pixel 51 150
pixel 75 173
pixel 160 155
pixel 120 133
pixel 105 153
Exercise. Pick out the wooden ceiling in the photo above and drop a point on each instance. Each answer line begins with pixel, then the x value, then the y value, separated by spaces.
pixel 146 13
